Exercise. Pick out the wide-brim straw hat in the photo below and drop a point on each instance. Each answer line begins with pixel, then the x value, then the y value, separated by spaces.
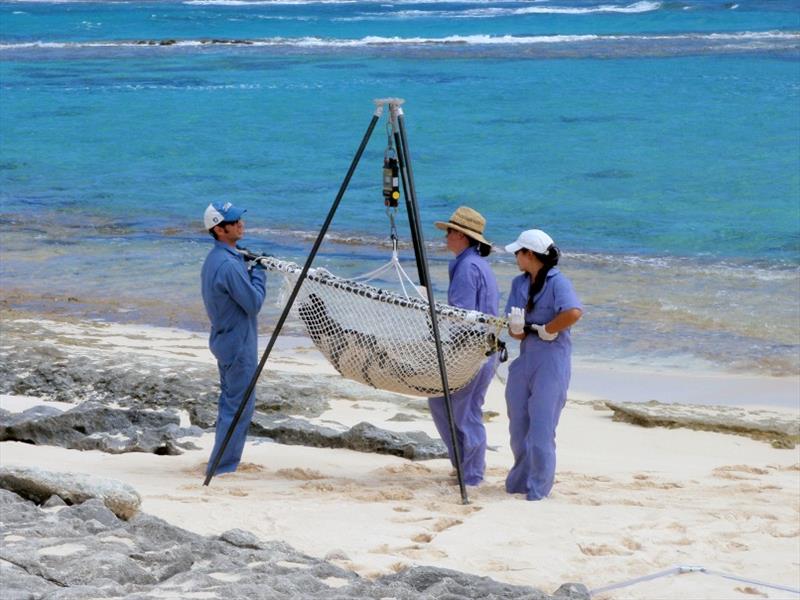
pixel 468 221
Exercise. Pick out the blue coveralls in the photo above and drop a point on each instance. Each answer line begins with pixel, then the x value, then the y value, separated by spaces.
pixel 232 297
pixel 536 390
pixel 473 287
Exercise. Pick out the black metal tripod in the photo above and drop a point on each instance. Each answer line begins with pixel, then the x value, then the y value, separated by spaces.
pixel 401 143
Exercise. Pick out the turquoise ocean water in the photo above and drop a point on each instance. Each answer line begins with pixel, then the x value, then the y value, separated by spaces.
pixel 657 142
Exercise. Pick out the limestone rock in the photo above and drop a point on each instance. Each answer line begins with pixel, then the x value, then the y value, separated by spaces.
pixel 92 426
pixel 363 437
pixel 781 430
pixel 58 554
pixel 39 485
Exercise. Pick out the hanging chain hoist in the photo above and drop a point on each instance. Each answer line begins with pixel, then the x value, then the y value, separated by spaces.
pixel 391 184
pixel 391 173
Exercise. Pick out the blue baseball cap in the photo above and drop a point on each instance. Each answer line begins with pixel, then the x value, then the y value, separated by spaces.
pixel 222 212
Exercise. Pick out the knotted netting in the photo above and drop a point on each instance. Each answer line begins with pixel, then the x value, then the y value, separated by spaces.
pixel 384 339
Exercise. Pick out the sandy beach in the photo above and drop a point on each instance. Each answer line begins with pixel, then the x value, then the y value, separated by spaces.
pixel 628 501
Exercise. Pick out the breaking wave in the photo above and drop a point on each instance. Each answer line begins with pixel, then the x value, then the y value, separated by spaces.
pixel 757 38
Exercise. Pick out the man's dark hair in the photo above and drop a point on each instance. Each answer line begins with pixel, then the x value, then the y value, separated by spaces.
pixel 222 224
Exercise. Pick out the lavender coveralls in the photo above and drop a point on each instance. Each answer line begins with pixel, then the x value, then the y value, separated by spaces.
pixel 473 287
pixel 536 390
pixel 233 298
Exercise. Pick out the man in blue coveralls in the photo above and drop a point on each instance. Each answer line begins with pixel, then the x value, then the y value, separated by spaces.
pixel 233 295
pixel 473 287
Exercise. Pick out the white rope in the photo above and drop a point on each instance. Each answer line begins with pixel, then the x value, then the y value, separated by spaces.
pixel 681 569
pixel 402 276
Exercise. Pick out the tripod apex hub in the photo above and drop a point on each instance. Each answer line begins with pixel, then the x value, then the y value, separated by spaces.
pixel 389 101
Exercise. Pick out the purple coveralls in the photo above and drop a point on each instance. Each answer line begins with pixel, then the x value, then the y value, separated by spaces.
pixel 536 390
pixel 473 287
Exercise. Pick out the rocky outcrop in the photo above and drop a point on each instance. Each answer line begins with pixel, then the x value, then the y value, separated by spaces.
pixel 92 426
pixel 84 551
pixel 781 430
pixel 145 393
pixel 363 437
pixel 42 486
pixel 66 373
pixel 414 445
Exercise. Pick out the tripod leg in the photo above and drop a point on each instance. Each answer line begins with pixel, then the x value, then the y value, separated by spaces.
pixel 422 265
pixel 290 301
pixel 410 197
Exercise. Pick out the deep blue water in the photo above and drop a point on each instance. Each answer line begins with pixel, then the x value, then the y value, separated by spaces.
pixel 658 143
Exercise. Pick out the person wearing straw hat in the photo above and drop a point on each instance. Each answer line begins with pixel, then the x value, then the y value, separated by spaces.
pixel 473 287
pixel 541 308
pixel 233 295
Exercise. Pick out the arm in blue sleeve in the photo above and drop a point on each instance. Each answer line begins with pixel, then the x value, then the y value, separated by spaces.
pixel 565 296
pixel 463 290
pixel 248 291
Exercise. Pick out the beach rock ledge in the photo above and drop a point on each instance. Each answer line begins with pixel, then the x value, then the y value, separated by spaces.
pixel 85 551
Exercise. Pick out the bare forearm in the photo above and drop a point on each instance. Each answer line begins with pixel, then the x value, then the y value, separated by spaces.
pixel 564 320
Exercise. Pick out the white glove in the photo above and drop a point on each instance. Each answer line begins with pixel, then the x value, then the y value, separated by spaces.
pixel 516 320
pixel 543 334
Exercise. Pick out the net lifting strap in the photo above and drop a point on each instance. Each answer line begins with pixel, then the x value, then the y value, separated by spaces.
pixel 384 339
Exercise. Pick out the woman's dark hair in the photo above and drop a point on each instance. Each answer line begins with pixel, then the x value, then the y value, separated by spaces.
pixel 549 260
pixel 483 249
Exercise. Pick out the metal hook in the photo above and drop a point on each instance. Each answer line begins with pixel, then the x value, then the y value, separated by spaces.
pixel 390 151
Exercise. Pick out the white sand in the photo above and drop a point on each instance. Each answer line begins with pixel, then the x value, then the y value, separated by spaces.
pixel 628 501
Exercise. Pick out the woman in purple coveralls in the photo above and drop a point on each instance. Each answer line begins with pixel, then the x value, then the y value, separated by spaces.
pixel 473 287
pixel 541 308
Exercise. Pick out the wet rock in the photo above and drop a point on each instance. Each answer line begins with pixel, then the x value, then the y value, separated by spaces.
pixel 39 485
pixel 92 426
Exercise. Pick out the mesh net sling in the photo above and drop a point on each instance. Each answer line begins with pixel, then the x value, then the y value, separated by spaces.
pixel 384 339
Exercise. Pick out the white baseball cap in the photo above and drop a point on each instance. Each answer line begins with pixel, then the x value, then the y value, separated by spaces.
pixel 220 212
pixel 532 239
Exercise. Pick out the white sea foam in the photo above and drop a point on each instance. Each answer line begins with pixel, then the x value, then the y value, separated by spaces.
pixel 466 40
pixel 722 268
pixel 635 8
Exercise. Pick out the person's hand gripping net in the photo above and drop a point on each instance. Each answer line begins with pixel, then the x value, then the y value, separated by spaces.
pixel 543 333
